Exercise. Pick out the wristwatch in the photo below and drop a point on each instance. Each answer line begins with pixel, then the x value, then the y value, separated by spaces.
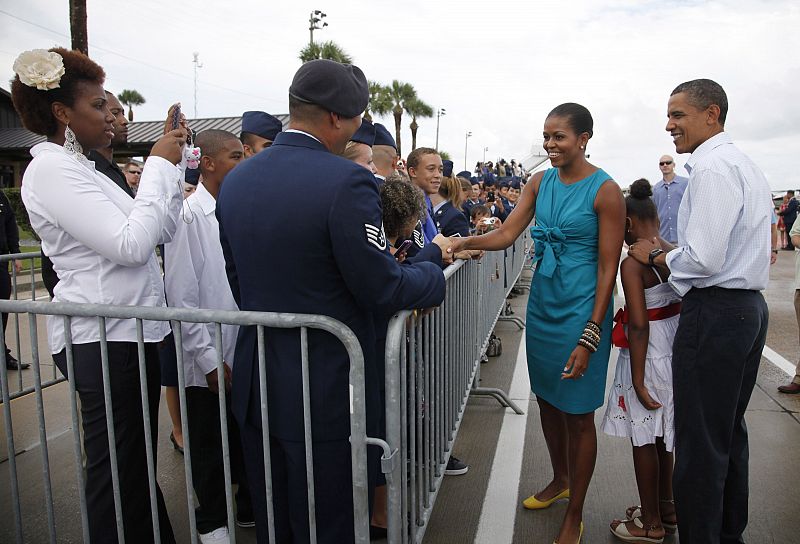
pixel 653 254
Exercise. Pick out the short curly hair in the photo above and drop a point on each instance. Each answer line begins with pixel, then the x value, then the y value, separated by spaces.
pixel 33 105
pixel 402 202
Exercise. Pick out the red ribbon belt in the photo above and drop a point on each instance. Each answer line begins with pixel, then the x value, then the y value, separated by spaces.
pixel 618 337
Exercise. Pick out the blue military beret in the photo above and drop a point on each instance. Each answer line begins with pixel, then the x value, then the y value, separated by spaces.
pixel 447 168
pixel 466 174
pixel 339 88
pixel 192 176
pixel 514 184
pixel 502 183
pixel 365 133
pixel 383 136
pixel 261 124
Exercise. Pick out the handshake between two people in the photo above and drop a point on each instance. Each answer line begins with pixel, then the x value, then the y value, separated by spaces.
pixel 450 249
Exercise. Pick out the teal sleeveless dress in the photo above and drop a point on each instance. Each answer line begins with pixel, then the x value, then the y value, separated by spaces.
pixel 563 293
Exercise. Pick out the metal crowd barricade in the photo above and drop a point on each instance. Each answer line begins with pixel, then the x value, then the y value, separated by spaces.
pixel 176 316
pixel 26 285
pixel 432 367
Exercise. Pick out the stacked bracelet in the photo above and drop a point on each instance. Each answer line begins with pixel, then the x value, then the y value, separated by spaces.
pixel 590 339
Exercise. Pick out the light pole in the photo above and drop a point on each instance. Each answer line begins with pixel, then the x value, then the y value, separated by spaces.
pixel 485 149
pixel 197 64
pixel 466 143
pixel 439 113
pixel 313 20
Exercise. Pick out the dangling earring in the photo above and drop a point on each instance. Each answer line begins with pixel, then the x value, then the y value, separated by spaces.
pixel 71 144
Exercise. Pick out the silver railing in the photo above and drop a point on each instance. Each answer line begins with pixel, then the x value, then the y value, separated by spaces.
pixel 432 367
pixel 26 285
pixel 176 316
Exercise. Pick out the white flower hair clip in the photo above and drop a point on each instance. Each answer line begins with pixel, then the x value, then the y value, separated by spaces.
pixel 40 68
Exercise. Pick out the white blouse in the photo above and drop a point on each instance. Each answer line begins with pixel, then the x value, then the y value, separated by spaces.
pixel 101 241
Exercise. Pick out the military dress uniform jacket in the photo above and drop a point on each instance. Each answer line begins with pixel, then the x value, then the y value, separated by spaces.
pixel 450 221
pixel 331 258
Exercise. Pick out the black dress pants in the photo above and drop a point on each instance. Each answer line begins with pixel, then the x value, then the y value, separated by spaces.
pixel 5 294
pixel 208 472
pixel 123 364
pixel 333 488
pixel 715 361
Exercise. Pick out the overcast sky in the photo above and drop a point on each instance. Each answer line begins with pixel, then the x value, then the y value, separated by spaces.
pixel 497 67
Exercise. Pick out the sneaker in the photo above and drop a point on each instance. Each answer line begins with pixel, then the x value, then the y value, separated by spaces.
pixel 13 364
pixel 217 536
pixel 455 467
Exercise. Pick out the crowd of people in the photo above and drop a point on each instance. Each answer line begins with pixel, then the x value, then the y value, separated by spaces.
pixel 373 237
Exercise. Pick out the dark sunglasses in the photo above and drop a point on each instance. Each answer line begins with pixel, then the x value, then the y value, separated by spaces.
pixel 135 172
pixel 664 163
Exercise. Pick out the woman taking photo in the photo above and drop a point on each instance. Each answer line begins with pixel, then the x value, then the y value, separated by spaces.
pixel 102 244
pixel 580 224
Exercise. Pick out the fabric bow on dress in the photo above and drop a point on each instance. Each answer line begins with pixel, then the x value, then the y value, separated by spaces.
pixel 548 247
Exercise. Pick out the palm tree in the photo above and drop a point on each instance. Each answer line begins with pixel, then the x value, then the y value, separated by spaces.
pixel 401 94
pixel 130 98
pixel 417 108
pixel 445 155
pixel 325 50
pixel 380 102
pixel 77 25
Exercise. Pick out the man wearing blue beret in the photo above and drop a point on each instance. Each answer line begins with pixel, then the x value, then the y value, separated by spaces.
pixel 258 131
pixel 331 258
pixel 384 153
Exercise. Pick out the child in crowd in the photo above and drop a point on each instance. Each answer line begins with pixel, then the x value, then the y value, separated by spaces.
pixel 640 404
pixel 481 220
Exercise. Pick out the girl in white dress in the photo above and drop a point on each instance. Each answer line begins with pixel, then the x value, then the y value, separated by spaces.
pixel 640 405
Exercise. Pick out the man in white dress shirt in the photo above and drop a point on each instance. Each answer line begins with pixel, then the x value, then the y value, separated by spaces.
pixel 194 275
pixel 720 266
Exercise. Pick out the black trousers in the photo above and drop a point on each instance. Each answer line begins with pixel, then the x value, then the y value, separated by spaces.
pixel 5 294
pixel 715 361
pixel 789 244
pixel 333 488
pixel 129 429
pixel 208 473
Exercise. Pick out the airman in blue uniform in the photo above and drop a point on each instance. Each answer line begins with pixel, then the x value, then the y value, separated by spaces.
pixel 258 131
pixel 331 259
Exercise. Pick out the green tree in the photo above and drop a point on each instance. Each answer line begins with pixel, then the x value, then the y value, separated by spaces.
pixel 325 50
pixel 380 101
pixel 417 108
pixel 401 94
pixel 445 155
pixel 130 98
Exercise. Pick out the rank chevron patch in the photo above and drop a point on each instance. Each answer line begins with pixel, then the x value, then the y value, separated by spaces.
pixel 375 236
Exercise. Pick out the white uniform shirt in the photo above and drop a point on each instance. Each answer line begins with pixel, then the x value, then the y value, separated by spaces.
pixel 724 221
pixel 194 274
pixel 101 241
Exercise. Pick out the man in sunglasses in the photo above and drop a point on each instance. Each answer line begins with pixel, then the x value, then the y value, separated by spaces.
pixel 667 195
pixel 133 175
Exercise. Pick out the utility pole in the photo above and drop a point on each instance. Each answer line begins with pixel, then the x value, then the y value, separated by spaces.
pixel 485 149
pixel 197 65
pixel 466 143
pixel 313 20
pixel 439 112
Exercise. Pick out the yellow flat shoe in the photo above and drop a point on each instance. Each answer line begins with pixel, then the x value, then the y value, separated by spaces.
pixel 532 503
pixel 580 535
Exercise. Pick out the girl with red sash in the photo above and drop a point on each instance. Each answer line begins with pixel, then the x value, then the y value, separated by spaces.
pixel 640 405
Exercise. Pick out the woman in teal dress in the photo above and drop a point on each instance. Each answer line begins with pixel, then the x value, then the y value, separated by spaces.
pixel 580 224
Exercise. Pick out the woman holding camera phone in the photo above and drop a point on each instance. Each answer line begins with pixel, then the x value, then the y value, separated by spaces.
pixel 580 224
pixel 102 244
